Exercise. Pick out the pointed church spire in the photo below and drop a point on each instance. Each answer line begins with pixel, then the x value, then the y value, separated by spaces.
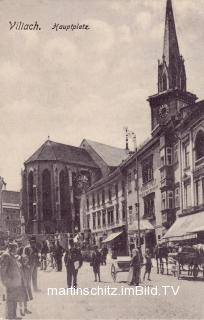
pixel 171 70
pixel 171 48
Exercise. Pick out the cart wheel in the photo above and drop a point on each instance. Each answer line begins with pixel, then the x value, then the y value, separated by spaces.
pixel 113 272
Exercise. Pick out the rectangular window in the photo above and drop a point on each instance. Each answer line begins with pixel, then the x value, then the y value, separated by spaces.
pixel 94 220
pixel 186 155
pixel 147 169
pixel 162 157
pixel 98 199
pixel 123 188
pixel 88 221
pixel 149 206
pixel 176 148
pixel 109 194
pixel 187 195
pixel 117 213
pixel 198 193
pixel 177 197
pixel 169 156
pixel 129 180
pixel 116 191
pixel 130 215
pixel 93 200
pixel 170 199
pixel 109 218
pixel 103 196
pixel 87 204
pixel 123 211
pixel 99 219
pixel 163 204
pixel 104 218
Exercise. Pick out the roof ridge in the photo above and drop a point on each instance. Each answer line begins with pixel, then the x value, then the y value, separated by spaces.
pixel 105 144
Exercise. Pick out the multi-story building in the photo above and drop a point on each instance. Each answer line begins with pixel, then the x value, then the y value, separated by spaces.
pixel 9 212
pixel 106 211
pixel 164 179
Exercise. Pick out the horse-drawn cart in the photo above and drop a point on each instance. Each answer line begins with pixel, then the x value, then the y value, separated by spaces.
pixel 121 264
pixel 189 261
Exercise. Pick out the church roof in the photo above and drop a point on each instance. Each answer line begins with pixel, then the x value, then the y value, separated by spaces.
pixel 54 151
pixel 112 156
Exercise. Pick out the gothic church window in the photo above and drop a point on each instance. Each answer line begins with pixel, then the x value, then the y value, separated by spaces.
pixel 46 194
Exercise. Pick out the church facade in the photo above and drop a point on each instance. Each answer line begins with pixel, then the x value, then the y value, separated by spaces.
pixel 55 177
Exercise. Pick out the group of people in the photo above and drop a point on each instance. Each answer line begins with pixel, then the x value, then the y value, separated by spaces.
pixel 18 269
pixel 19 266
pixel 136 263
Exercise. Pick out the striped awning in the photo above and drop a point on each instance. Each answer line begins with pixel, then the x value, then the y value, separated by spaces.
pixel 186 227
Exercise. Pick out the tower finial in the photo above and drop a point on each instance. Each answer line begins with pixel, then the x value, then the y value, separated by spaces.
pixel 172 70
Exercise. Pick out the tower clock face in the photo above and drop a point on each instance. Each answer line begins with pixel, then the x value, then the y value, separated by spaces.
pixel 163 111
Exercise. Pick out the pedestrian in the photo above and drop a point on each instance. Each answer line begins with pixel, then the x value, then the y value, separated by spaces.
pixel 73 261
pixel 43 260
pixel 58 254
pixel 31 252
pixel 95 263
pixel 104 252
pixel 148 264
pixel 26 285
pixel 135 266
pixel 11 278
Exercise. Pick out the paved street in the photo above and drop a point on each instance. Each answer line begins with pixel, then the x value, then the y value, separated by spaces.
pixel 186 305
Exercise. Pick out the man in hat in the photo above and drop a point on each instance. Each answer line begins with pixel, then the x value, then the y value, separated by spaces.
pixel 32 253
pixel 136 266
pixel 11 278
pixel 73 261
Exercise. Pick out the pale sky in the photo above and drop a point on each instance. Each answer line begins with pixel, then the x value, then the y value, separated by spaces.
pixel 86 84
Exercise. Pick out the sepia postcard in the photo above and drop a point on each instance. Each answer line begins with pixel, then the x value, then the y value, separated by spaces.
pixel 102 159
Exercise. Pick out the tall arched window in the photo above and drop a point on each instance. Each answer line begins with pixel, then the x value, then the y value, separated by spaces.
pixel 30 196
pixel 164 80
pixel 46 195
pixel 199 145
pixel 64 194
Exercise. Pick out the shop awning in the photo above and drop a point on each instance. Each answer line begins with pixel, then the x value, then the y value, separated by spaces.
pixel 112 236
pixel 144 225
pixel 184 227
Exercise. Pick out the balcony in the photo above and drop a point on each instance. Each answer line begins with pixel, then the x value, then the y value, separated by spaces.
pixel 167 176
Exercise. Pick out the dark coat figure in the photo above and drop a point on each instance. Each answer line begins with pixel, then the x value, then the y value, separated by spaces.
pixel 148 264
pixel 95 263
pixel 136 266
pixel 44 251
pixel 11 278
pixel 58 253
pixel 31 252
pixel 73 261
pixel 104 252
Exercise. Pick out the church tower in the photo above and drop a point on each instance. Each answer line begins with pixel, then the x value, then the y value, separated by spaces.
pixel 172 95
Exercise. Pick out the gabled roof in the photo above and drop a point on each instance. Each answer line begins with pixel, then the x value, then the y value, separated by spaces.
pixel 54 151
pixel 12 197
pixel 112 156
